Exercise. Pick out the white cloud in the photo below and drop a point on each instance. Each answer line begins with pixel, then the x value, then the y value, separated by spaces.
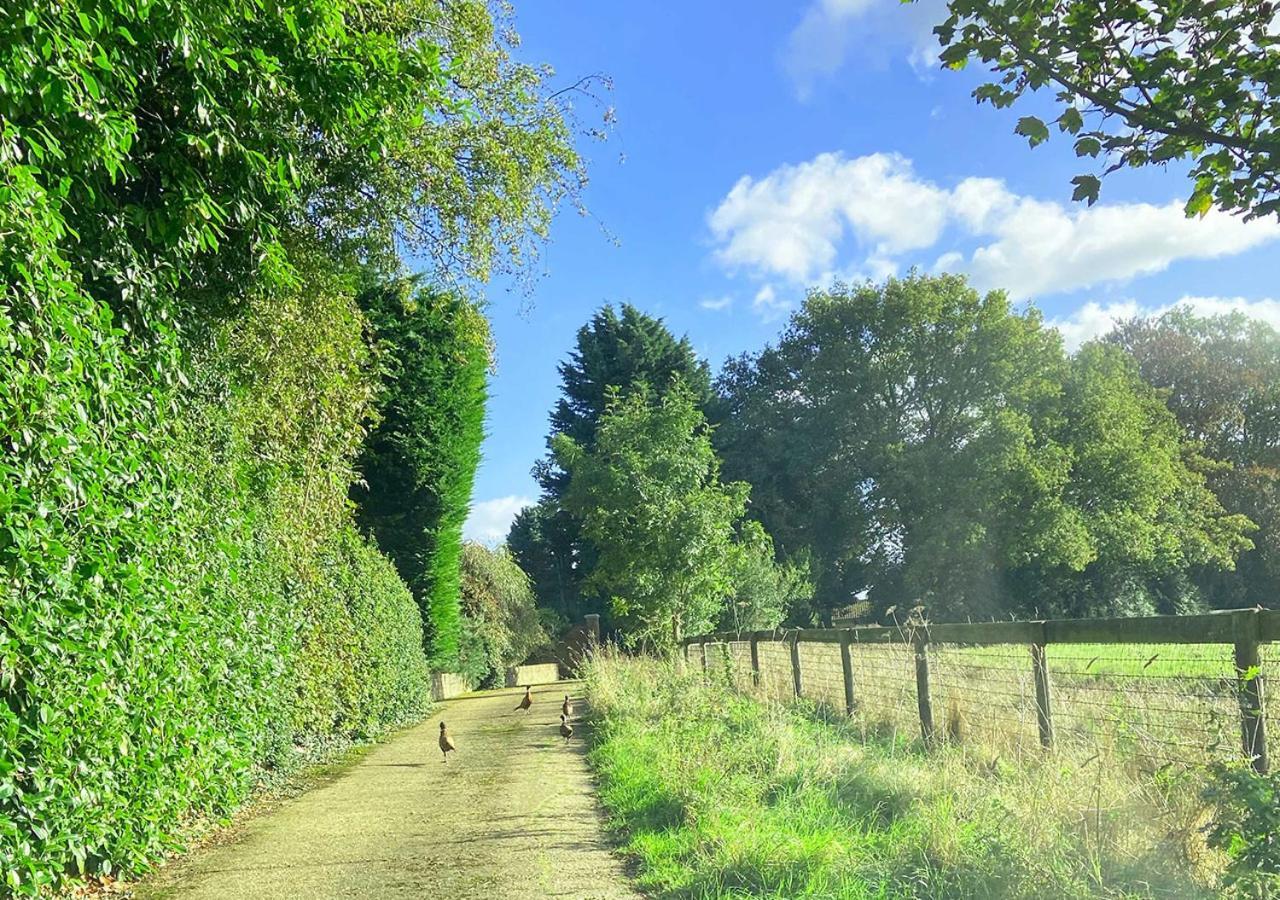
pixel 489 520
pixel 831 32
pixel 1041 247
pixel 1094 320
pixel 803 222
pixel 793 221
pixel 768 306
pixel 716 304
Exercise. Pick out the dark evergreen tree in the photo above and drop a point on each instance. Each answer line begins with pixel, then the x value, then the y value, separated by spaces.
pixel 618 348
pixel 420 460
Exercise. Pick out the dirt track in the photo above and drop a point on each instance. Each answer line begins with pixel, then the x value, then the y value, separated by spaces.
pixel 512 815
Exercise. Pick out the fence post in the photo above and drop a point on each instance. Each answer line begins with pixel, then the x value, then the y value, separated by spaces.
pixel 923 700
pixel 755 659
pixel 1044 710
pixel 846 663
pixel 1250 687
pixel 703 645
pixel 795 663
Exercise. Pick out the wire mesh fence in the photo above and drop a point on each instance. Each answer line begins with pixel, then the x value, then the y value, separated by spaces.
pixel 1134 693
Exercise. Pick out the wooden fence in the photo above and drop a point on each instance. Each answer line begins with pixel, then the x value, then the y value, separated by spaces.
pixel 1211 668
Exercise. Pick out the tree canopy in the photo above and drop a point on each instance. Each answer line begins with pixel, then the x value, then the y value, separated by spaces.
pixel 191 197
pixel 649 496
pixel 927 443
pixel 1140 84
pixel 1220 376
pixel 500 617
pixel 616 350
pixel 419 462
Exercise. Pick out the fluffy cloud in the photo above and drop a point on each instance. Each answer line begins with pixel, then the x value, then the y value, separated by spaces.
pixel 831 32
pixel 804 223
pixel 716 304
pixel 489 520
pixel 793 221
pixel 1094 320
pixel 769 306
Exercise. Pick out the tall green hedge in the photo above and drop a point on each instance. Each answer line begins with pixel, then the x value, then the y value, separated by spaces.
pixel 187 193
pixel 419 463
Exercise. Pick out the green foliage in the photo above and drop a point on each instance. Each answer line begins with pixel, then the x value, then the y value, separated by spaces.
pixel 927 443
pixel 183 382
pixel 420 461
pixel 620 352
pixel 763 593
pixel 616 350
pixel 360 663
pixel 543 540
pixel 1246 826
pixel 1139 85
pixel 650 498
pixel 1220 376
pixel 1134 504
pixel 502 623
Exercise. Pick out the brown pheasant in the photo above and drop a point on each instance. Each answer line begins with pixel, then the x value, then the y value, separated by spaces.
pixel 566 708
pixel 526 702
pixel 565 728
pixel 446 742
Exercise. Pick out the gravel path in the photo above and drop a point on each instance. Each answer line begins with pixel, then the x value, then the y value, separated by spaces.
pixel 512 815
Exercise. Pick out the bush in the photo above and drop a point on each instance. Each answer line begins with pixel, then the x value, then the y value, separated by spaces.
pixel 185 190
pixel 502 623
pixel 1246 827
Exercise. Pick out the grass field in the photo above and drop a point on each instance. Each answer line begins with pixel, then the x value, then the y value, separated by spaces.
pixel 1140 706
pixel 717 794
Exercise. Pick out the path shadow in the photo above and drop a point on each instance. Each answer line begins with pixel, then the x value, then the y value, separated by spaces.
pixel 396 765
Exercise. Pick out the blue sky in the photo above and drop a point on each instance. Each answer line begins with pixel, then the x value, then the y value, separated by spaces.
pixel 761 147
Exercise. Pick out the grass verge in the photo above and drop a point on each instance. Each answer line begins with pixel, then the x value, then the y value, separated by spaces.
pixel 716 795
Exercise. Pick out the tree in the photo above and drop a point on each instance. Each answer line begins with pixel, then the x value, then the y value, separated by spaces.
pixel 649 496
pixel 420 459
pixel 763 593
pixel 188 192
pixel 1135 504
pixel 1140 84
pixel 615 350
pixel 1220 376
pixel 499 613
pixel 928 444
pixel 542 541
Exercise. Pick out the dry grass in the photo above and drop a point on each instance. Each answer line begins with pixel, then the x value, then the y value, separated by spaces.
pixel 726 793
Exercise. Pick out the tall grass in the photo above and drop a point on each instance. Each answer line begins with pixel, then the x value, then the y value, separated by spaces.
pixel 720 794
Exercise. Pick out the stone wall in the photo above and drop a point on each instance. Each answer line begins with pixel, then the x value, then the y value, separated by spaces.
pixel 445 685
pixel 537 673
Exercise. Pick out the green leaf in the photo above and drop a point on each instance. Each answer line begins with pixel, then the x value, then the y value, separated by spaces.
pixel 1200 203
pixel 1087 187
pixel 1070 120
pixel 1088 146
pixel 1033 129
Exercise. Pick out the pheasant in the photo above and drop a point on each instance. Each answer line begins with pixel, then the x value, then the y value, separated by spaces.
pixel 565 728
pixel 526 702
pixel 446 742
pixel 566 708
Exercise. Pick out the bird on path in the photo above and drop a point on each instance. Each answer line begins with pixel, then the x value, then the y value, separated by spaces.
pixel 526 702
pixel 566 708
pixel 565 728
pixel 446 742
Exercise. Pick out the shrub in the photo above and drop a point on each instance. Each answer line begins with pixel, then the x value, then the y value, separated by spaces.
pixel 502 623
pixel 1246 826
